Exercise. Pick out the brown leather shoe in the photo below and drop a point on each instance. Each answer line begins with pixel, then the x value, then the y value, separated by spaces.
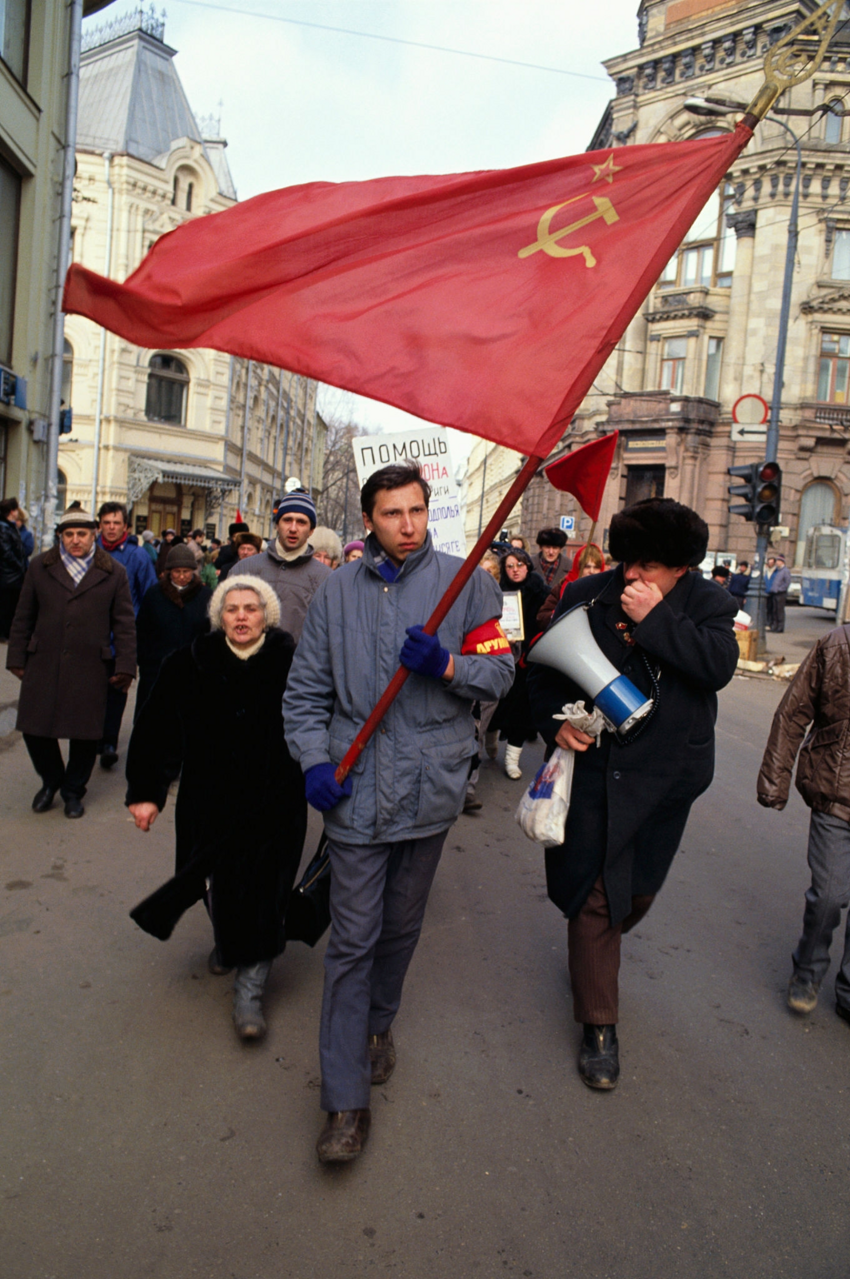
pixel 382 1056
pixel 343 1136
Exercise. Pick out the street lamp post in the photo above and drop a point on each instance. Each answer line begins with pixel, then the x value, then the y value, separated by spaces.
pixel 716 107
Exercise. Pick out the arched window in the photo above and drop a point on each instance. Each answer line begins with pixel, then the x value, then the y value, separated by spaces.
pixel 61 492
pixel 818 505
pixel 67 374
pixel 183 189
pixel 832 121
pixel 168 381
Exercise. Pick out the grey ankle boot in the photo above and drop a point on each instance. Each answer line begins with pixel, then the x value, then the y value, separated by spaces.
pixel 247 1000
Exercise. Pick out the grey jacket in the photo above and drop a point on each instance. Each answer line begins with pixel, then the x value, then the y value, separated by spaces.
pixel 779 580
pixel 410 781
pixel 295 582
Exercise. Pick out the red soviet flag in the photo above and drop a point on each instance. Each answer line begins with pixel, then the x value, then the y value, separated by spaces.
pixel 584 473
pixel 485 301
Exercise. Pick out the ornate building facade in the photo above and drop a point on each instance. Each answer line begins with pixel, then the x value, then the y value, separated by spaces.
pixel 707 333
pixel 186 438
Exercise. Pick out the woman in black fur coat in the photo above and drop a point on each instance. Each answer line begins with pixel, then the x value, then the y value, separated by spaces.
pixel 220 698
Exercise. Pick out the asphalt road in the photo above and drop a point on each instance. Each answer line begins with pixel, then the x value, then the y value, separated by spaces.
pixel 140 1138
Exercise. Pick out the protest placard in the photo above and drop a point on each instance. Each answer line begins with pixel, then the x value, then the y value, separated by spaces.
pixel 429 447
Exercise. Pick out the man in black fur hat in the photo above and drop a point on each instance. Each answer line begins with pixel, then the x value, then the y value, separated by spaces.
pixel 551 561
pixel 670 631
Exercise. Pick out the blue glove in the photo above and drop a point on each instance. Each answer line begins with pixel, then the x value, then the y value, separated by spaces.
pixel 323 790
pixel 423 653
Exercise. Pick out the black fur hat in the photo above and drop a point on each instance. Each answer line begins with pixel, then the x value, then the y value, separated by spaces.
pixel 658 530
pixel 552 537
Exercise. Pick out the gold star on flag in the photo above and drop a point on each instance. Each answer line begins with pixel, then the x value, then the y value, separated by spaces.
pixel 606 170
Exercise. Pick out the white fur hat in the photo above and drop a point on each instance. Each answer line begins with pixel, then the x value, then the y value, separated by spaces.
pixel 245 582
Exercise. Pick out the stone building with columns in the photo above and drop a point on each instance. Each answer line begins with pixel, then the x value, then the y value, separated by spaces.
pixel 186 438
pixel 707 333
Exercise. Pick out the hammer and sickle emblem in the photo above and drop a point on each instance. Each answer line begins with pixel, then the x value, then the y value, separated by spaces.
pixel 547 239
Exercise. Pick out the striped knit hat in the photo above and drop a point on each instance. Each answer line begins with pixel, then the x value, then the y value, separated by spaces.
pixel 298 503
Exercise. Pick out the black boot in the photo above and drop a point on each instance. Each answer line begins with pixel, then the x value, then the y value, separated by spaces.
pixel 598 1057
pixel 247 1000
pixel 44 799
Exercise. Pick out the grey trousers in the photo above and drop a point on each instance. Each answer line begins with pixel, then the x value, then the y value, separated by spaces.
pixel 829 861
pixel 378 898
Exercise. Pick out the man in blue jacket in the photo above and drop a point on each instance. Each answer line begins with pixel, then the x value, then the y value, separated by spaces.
pixel 114 537
pixel 387 822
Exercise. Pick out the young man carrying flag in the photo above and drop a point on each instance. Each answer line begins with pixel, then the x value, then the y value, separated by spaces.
pixel 386 824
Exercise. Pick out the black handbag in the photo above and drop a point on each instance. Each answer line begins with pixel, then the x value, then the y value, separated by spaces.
pixel 308 914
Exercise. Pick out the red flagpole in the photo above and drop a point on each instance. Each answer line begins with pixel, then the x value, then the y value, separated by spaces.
pixel 439 614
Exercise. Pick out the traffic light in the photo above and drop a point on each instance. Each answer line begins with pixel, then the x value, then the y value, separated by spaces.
pixel 747 490
pixel 768 489
pixel 760 489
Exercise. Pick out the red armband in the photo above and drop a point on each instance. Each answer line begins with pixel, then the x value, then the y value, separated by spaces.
pixel 488 638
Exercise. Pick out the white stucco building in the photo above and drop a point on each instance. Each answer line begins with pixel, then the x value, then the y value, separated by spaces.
pixel 185 437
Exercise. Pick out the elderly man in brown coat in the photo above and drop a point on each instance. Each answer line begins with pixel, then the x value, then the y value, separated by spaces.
pixel 75 604
pixel 814 719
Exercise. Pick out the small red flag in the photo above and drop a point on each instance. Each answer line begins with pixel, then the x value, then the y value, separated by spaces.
pixel 584 472
pixel 486 301
pixel 239 519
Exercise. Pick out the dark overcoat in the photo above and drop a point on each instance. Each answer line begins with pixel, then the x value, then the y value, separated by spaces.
pixel 630 802
pixel 219 717
pixel 167 620
pixel 512 717
pixel 62 636
pixel 13 559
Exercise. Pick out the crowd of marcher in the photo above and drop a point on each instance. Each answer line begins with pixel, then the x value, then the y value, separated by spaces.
pixel 268 655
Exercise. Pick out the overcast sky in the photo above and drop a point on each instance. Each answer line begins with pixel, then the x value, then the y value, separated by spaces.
pixel 301 104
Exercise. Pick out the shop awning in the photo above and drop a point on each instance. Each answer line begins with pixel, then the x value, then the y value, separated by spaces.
pixel 142 472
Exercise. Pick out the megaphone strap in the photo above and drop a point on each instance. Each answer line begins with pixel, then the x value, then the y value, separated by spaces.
pixel 655 680
pixel 598 598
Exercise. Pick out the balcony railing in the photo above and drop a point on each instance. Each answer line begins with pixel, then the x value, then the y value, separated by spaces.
pixel 832 414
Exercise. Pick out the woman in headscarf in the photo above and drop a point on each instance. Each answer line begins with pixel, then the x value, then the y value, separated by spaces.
pixel 512 719
pixel 221 698
pixel 173 612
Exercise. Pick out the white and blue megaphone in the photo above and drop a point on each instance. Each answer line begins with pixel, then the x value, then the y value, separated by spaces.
pixel 569 646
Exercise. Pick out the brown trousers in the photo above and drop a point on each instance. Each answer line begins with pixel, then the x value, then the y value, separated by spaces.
pixel 594 951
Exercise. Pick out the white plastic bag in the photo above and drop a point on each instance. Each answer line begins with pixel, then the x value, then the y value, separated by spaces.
pixel 543 809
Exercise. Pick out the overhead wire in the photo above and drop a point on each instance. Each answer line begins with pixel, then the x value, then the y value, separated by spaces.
pixel 373 35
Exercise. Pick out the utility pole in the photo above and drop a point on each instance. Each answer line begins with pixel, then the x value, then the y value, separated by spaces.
pixel 63 252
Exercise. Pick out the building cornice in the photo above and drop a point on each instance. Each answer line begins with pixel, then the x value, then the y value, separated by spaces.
pixel 835 302
pixel 710 47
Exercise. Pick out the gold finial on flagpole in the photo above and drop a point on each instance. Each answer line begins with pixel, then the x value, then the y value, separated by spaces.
pixel 795 57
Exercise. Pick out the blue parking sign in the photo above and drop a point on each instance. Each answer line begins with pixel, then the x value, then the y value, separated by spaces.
pixel 568 523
